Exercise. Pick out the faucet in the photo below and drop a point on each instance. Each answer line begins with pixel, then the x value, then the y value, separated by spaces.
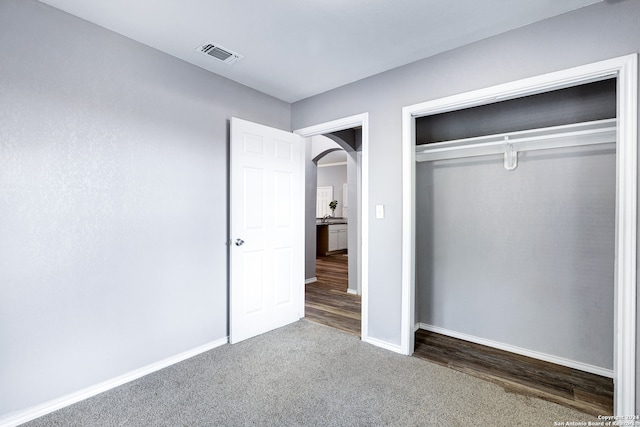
pixel 324 218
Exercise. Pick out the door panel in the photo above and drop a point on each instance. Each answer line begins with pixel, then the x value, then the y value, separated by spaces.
pixel 266 229
pixel 282 209
pixel 253 273
pixel 252 211
pixel 282 273
pixel 324 195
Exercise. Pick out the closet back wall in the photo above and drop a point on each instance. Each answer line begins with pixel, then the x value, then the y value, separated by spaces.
pixel 523 258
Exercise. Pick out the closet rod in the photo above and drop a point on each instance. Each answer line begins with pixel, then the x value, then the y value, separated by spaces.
pixel 509 144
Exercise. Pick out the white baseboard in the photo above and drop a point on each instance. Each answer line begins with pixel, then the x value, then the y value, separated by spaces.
pixel 383 344
pixel 20 417
pixel 352 291
pixel 519 350
pixel 310 280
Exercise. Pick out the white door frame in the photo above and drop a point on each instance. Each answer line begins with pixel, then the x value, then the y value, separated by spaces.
pixel 626 70
pixel 359 120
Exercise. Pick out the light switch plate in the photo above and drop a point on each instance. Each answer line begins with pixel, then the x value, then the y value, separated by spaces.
pixel 379 211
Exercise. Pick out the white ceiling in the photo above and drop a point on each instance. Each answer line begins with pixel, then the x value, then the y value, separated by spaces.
pixel 294 49
pixel 333 157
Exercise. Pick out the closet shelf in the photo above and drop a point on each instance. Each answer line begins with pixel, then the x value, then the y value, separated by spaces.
pixel 509 144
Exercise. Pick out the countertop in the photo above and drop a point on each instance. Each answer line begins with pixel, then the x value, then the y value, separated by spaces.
pixel 329 221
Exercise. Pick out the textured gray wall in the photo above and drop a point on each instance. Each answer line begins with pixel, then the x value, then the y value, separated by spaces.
pixel 354 220
pixel 310 176
pixel 594 33
pixel 113 212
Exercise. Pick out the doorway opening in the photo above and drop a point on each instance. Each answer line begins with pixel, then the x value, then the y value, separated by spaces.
pixel 348 221
pixel 332 296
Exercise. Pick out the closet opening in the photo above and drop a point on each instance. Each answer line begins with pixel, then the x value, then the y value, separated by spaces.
pixel 515 241
pixel 520 216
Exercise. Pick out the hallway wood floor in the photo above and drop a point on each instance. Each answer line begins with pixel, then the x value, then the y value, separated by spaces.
pixel 327 300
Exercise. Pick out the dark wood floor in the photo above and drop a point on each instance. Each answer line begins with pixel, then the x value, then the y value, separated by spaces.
pixel 327 300
pixel 586 392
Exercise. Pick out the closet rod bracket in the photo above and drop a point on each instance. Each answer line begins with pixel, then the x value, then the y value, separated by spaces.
pixel 510 155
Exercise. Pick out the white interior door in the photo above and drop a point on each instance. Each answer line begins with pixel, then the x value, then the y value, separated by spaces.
pixel 266 229
pixel 324 196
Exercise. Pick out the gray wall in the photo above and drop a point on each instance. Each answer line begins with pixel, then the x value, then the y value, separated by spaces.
pixel 354 225
pixel 594 33
pixel 113 213
pixel 310 176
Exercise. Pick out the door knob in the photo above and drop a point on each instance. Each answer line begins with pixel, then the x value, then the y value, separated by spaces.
pixel 239 242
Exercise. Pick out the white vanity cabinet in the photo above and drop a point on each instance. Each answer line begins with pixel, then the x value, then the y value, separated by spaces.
pixel 331 238
pixel 337 237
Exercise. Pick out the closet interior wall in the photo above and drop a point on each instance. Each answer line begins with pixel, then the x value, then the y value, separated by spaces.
pixel 525 257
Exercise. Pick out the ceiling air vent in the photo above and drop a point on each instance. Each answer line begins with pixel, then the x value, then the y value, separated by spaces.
pixel 218 52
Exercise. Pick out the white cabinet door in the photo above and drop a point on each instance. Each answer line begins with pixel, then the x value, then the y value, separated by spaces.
pixel 337 237
pixel 333 239
pixel 342 239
